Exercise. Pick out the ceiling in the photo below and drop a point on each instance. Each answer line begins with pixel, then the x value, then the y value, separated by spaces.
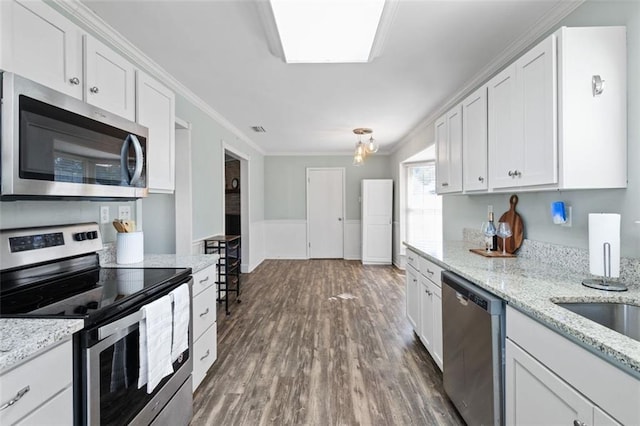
pixel 220 50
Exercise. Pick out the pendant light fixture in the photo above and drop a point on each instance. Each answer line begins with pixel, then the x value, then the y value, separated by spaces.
pixel 362 148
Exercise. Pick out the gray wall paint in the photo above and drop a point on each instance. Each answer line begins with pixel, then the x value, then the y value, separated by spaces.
pixel 18 214
pixel 207 155
pixel 159 224
pixel 468 211
pixel 285 187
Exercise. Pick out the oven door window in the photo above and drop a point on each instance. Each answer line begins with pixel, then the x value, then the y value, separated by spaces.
pixel 58 145
pixel 120 399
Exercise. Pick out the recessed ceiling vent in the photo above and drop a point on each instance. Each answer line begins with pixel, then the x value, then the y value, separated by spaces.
pixel 258 129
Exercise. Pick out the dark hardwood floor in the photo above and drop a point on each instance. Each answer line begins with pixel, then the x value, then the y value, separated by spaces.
pixel 294 353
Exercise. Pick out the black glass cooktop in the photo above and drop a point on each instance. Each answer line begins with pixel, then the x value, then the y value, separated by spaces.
pixel 80 289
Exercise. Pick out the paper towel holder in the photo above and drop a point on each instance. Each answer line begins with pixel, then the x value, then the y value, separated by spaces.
pixel 602 283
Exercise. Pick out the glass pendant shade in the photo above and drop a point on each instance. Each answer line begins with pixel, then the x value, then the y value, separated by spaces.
pixel 372 146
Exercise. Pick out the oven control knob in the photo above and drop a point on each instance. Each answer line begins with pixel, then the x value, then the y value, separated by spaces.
pixel 80 236
pixel 80 310
pixel 90 235
pixel 92 305
pixel 94 235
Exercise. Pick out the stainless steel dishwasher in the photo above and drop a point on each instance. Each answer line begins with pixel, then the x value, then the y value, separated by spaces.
pixel 473 347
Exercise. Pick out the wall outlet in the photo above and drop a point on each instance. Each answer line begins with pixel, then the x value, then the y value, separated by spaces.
pixel 104 214
pixel 124 212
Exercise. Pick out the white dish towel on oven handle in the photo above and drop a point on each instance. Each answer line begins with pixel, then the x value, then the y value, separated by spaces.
pixel 181 316
pixel 155 343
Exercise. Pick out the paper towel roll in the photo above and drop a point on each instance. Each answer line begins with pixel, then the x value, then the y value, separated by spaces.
pixel 604 228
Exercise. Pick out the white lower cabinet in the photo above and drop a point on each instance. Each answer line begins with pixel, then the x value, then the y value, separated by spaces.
pixel 424 303
pixel 413 297
pixel 551 380
pixel 40 388
pixel 204 324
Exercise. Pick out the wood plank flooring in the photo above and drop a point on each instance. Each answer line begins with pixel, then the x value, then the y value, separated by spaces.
pixel 293 353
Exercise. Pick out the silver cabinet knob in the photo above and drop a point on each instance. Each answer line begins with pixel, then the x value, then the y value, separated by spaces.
pixel 75 81
pixel 511 174
pixel 94 89
pixel 480 179
pixel 579 423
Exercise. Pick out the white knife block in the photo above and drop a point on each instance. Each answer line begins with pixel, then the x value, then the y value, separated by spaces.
pixel 129 247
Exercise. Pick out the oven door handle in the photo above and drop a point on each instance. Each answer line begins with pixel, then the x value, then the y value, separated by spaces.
pixel 121 324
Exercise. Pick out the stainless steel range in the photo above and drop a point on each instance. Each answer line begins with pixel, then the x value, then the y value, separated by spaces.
pixel 54 272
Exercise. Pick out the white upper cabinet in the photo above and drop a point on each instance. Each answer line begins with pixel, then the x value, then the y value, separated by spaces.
pixel 109 79
pixel 550 127
pixel 155 109
pixel 449 151
pixel 593 130
pixel 42 45
pixel 522 121
pixel 38 43
pixel 474 141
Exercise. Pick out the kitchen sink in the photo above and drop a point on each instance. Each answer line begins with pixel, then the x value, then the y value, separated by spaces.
pixel 620 317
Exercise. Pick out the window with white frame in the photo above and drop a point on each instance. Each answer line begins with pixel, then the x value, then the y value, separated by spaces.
pixel 424 206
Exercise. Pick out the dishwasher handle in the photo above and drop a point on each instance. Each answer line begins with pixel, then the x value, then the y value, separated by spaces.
pixel 468 291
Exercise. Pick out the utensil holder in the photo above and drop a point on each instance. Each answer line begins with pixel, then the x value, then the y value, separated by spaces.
pixel 129 247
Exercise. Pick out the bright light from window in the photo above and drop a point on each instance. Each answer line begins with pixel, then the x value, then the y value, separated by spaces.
pixel 319 31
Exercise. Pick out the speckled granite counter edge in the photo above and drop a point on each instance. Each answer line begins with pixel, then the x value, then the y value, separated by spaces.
pixel 196 262
pixel 23 338
pixel 620 350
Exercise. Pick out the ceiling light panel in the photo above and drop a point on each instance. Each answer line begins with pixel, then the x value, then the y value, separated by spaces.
pixel 327 31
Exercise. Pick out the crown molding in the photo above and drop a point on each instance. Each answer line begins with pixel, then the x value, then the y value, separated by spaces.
pixel 321 154
pixel 545 24
pixel 92 22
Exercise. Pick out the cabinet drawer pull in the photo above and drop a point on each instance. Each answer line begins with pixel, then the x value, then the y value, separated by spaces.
pixel 579 423
pixel 411 258
pixel 429 271
pixel 204 280
pixel 445 183
pixel 75 81
pixel 16 398
pixel 480 179
pixel 205 355
pixel 204 313
pixel 94 89
pixel 415 280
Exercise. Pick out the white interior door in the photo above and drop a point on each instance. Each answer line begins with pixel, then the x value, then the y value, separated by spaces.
pixel 325 213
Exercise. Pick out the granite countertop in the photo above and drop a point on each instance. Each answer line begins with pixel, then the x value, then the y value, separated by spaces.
pixel 533 287
pixel 22 338
pixel 196 262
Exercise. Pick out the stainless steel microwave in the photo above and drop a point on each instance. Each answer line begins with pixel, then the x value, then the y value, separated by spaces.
pixel 54 145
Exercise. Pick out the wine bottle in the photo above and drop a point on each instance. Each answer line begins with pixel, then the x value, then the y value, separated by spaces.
pixel 494 238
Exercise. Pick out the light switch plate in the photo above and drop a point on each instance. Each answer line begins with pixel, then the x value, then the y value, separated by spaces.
pixel 104 214
pixel 124 212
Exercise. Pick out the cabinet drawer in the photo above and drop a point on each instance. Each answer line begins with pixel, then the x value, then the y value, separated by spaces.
pixel 45 375
pixel 412 259
pixel 203 279
pixel 204 354
pixel 56 411
pixel 430 270
pixel 204 311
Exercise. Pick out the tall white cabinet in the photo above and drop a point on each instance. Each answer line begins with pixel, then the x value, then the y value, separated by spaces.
pixel 377 207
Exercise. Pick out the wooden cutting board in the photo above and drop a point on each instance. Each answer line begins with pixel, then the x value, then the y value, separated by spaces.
pixel 514 242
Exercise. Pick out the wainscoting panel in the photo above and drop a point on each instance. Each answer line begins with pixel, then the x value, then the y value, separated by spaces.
pixel 353 239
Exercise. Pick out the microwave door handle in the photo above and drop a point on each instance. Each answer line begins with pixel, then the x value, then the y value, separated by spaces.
pixel 127 177
pixel 139 159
